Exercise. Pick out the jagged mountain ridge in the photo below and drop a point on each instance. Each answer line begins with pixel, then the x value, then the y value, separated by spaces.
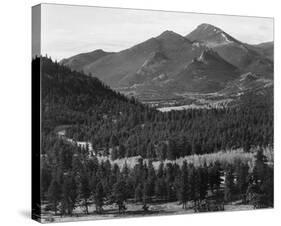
pixel 242 55
pixel 120 68
pixel 210 35
pixel 165 64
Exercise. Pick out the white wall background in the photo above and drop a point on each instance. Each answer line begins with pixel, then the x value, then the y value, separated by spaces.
pixel 15 109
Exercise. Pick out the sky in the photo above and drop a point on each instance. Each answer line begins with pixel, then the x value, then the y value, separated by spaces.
pixel 69 30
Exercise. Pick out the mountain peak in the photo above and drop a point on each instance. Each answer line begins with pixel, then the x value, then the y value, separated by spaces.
pixel 98 51
pixel 210 35
pixel 170 35
pixel 207 26
pixel 168 32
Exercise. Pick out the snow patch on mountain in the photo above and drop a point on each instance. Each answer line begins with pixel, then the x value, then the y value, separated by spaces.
pixel 225 38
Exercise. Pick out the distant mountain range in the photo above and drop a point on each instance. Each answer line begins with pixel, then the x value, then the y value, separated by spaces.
pixel 78 62
pixel 204 61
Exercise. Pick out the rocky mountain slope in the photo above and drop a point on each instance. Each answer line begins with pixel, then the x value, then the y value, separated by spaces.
pixel 206 73
pixel 206 60
pixel 78 62
pixel 244 56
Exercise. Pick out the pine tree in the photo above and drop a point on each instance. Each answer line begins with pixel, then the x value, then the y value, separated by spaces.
pixel 85 190
pixel 54 194
pixel 114 175
pixel 113 141
pixel 119 194
pixel 203 182
pixel 45 179
pixel 218 175
pixel 150 181
pixel 69 194
pixel 193 180
pixel 171 150
pixel 138 193
pixel 150 151
pixel 260 189
pixel 260 167
pixel 267 188
pixel 162 152
pixel 99 196
pixel 160 188
pixel 122 151
pixel 138 173
pixel 183 190
pixel 170 177
pixel 146 192
pixel 229 187
pixel 114 153
pixel 160 171
pixel 242 172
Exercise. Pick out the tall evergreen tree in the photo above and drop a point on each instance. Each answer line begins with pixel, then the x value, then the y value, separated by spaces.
pixel 99 196
pixel 260 166
pixel 138 193
pixel 242 172
pixel 85 190
pixel 203 182
pixel 119 194
pixel 183 189
pixel 69 194
pixel 54 194
pixel 193 180
pixel 229 187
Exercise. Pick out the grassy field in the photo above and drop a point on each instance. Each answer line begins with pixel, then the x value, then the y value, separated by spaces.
pixel 229 156
pixel 134 210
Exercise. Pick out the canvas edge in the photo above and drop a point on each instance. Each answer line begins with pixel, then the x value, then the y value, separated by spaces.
pixel 36 116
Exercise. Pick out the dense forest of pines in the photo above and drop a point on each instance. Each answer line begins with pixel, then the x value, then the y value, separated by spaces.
pixel 70 178
pixel 109 120
pixel 122 127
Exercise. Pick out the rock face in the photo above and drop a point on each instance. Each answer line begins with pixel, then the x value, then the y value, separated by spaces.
pixel 206 73
pixel 210 36
pixel 206 60
pixel 245 57
pixel 166 53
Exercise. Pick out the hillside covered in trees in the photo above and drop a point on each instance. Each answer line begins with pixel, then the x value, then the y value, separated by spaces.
pixel 117 127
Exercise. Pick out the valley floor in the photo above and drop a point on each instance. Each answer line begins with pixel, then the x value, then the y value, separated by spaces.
pixel 134 210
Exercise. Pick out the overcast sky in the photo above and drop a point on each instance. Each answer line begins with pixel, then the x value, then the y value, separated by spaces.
pixel 69 30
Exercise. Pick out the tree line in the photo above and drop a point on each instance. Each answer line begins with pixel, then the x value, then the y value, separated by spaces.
pixel 124 127
pixel 70 178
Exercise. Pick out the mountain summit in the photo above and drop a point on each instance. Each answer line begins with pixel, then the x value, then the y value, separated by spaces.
pixel 203 61
pixel 142 62
pixel 210 35
pixel 170 35
pixel 244 56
